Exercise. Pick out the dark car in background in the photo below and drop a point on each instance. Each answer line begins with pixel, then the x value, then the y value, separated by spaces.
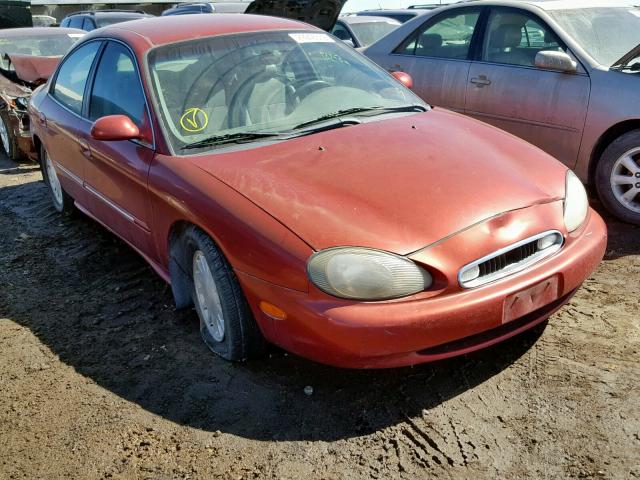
pixel 561 75
pixel 91 19
pixel 28 56
pixel 15 14
pixel 189 8
pixel 360 32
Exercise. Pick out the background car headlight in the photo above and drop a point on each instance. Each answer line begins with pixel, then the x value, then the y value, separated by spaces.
pixel 366 274
pixel 576 203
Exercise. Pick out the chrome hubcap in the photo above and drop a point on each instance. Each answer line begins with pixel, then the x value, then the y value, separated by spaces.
pixel 54 183
pixel 625 180
pixel 207 297
pixel 4 136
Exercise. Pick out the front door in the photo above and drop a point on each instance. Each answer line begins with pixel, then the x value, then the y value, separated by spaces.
pixel 116 173
pixel 506 89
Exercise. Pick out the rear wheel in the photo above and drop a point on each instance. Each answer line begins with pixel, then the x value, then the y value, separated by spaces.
pixel 227 325
pixel 618 177
pixel 7 138
pixel 61 200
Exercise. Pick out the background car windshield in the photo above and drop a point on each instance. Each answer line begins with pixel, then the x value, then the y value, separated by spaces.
pixel 369 33
pixel 266 81
pixel 41 45
pixel 607 34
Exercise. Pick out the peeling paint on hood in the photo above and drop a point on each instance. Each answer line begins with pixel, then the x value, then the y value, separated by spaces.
pixel 33 69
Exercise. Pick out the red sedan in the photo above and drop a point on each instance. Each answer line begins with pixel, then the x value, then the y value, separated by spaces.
pixel 295 193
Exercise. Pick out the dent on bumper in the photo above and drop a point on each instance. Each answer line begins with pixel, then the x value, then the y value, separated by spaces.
pixel 420 328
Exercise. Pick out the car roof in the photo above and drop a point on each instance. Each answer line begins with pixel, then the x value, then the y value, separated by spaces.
pixel 554 4
pixel 351 19
pixel 38 31
pixel 175 28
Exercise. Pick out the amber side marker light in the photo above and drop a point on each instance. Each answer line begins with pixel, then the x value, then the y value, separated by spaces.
pixel 272 311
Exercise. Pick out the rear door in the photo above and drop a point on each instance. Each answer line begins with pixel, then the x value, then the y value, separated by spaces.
pixel 61 117
pixel 437 55
pixel 506 89
pixel 116 173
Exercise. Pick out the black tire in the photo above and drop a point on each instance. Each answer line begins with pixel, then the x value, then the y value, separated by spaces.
pixel 242 337
pixel 62 203
pixel 606 164
pixel 13 152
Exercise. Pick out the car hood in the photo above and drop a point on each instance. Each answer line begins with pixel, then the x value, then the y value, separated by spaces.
pixel 397 184
pixel 33 69
pixel 320 13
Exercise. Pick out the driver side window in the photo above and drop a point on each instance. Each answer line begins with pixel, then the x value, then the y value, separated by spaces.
pixel 116 89
pixel 515 38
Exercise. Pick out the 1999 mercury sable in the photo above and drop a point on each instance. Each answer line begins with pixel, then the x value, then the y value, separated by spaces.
pixel 296 193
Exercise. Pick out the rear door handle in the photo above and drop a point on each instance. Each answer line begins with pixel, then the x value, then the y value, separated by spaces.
pixel 481 81
pixel 396 68
pixel 85 149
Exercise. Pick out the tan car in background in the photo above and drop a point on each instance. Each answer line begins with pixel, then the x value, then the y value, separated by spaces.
pixel 562 75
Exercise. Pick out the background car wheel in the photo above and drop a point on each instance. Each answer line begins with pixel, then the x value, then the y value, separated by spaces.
pixel 227 325
pixel 618 177
pixel 7 138
pixel 62 202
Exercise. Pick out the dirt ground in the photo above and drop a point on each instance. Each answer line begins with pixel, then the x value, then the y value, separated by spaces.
pixel 101 378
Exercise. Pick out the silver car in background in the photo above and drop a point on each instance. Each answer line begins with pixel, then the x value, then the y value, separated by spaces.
pixel 561 74
pixel 360 32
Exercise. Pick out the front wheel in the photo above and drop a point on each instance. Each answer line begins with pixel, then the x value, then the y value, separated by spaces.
pixel 227 325
pixel 618 177
pixel 61 200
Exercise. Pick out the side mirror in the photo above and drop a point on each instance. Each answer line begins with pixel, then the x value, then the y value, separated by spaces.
pixel 404 78
pixel 559 61
pixel 113 128
pixel 349 42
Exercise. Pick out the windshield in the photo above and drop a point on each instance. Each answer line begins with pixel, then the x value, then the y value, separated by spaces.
pixel 368 33
pixel 39 45
pixel 607 34
pixel 267 82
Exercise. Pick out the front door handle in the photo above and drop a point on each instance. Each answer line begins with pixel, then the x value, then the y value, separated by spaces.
pixel 85 149
pixel 396 68
pixel 480 81
pixel 42 120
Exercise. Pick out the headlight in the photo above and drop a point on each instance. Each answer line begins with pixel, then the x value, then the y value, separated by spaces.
pixel 576 203
pixel 366 274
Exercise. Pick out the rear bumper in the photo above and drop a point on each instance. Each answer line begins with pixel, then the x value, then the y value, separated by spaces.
pixel 420 328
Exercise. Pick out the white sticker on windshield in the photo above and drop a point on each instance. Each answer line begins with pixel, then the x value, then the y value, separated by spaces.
pixel 311 37
pixel 75 35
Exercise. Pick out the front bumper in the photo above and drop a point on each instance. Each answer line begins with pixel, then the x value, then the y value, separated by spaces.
pixel 424 327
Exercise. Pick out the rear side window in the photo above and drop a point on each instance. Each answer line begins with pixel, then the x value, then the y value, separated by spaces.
pixel 116 88
pixel 449 37
pixel 72 76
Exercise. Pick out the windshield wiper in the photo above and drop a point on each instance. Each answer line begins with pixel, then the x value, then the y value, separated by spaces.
pixel 627 58
pixel 240 137
pixel 375 110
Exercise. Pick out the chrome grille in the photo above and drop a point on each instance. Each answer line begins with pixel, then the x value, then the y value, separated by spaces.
pixel 511 259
